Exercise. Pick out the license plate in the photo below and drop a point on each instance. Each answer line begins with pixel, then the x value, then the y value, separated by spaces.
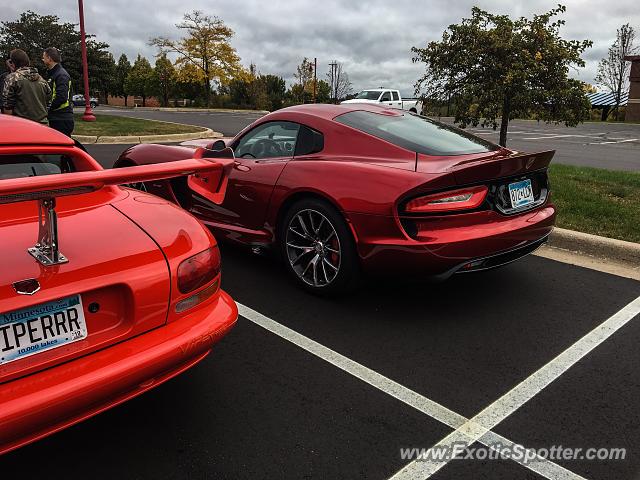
pixel 521 193
pixel 40 328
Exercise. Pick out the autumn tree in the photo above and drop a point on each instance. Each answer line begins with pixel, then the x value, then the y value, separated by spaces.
pixel 206 47
pixel 613 70
pixel 304 78
pixel 123 67
pixel 496 67
pixel 139 80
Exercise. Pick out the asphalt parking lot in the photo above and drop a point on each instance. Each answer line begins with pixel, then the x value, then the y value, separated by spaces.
pixel 591 144
pixel 538 353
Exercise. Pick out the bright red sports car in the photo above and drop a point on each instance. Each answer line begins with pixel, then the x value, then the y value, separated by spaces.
pixel 345 188
pixel 105 292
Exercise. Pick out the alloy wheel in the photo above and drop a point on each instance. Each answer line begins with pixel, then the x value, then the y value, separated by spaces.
pixel 313 248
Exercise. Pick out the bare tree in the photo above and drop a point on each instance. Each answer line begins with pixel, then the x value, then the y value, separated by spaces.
pixel 613 70
pixel 339 80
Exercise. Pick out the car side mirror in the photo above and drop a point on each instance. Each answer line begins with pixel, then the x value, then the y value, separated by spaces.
pixel 218 145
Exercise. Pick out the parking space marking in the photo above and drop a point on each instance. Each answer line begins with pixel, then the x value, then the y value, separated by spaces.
pixel 544 467
pixel 488 418
pixel 618 141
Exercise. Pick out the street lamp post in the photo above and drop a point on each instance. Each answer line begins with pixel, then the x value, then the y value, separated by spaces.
pixel 88 114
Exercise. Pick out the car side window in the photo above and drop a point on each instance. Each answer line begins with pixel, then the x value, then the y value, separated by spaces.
pixel 33 165
pixel 269 140
pixel 309 141
pixel 396 97
pixel 386 97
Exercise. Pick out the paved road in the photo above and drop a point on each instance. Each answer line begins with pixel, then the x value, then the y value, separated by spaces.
pixel 318 400
pixel 601 145
pixel 261 407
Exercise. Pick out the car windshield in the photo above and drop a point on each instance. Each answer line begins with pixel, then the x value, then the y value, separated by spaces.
pixel 368 95
pixel 416 133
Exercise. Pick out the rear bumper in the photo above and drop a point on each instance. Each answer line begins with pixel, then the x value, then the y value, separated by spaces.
pixel 40 404
pixel 440 246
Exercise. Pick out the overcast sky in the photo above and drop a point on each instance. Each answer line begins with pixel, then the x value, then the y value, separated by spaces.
pixel 372 38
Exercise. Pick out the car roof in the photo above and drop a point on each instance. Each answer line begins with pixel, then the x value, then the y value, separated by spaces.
pixel 329 112
pixel 19 131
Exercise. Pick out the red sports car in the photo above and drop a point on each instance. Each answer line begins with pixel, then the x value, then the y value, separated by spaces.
pixel 105 292
pixel 345 188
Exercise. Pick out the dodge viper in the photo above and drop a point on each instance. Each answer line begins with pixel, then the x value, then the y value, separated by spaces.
pixel 345 189
pixel 99 301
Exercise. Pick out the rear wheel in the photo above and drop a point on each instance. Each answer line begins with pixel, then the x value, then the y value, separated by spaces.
pixel 318 249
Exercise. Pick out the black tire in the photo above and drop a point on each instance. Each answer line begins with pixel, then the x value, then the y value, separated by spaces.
pixel 93 104
pixel 320 261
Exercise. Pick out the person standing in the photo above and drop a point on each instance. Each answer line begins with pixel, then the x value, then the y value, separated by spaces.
pixel 3 77
pixel 25 93
pixel 61 109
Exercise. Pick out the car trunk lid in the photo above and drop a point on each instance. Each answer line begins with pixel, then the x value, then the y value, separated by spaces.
pixel 115 270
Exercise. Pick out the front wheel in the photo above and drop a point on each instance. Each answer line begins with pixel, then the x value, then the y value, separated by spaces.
pixel 318 249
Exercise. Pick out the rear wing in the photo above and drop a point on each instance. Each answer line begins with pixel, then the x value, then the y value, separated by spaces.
pixel 207 176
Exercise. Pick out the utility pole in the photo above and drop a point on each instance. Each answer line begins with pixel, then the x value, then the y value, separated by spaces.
pixel 315 78
pixel 88 114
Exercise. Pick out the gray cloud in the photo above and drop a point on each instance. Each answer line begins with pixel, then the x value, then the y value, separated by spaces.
pixel 373 39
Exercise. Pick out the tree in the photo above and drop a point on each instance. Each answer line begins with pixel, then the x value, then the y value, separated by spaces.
pixel 323 93
pixel 33 33
pixel 139 80
pixel 339 81
pixel 498 67
pixel 206 47
pixel 276 89
pixel 122 70
pixel 163 79
pixel 613 70
pixel 304 77
pixel 103 76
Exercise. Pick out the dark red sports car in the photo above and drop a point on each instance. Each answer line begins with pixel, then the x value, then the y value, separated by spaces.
pixel 341 189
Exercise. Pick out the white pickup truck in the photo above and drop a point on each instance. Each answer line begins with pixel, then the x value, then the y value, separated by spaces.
pixel 386 96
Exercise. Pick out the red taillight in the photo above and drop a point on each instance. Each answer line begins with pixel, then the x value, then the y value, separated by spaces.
pixel 453 200
pixel 198 270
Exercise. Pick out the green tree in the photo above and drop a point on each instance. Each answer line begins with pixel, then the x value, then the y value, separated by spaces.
pixel 275 88
pixel 33 33
pixel 496 67
pixel 206 47
pixel 122 70
pixel 163 79
pixel 323 92
pixel 139 80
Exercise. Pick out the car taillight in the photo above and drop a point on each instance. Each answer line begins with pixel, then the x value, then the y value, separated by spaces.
pixel 453 200
pixel 198 270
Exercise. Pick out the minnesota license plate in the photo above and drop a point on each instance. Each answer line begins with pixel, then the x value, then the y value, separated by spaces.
pixel 521 193
pixel 40 328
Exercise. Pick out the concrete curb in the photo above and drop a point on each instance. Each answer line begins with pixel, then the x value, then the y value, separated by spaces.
pixel 188 109
pixel 134 139
pixel 619 251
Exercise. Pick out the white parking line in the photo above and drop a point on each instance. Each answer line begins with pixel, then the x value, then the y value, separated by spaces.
pixel 550 136
pixel 487 419
pixel 618 141
pixel 542 466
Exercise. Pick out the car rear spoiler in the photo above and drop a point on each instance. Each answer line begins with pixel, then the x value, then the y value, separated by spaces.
pixel 207 177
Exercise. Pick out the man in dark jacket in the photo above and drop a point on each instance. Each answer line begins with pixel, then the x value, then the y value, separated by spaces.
pixel 61 109
pixel 3 77
pixel 25 93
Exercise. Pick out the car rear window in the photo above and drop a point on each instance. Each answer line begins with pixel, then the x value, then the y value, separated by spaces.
pixel 32 165
pixel 416 133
